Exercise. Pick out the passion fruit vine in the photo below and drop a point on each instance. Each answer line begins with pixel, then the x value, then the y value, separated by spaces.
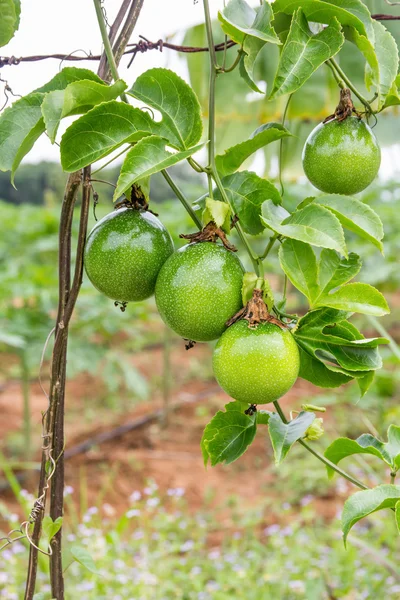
pixel 124 253
pixel 342 155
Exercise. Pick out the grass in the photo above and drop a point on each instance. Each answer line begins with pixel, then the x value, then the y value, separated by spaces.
pixel 159 550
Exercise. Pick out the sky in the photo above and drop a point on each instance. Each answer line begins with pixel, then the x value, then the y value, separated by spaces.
pixel 55 26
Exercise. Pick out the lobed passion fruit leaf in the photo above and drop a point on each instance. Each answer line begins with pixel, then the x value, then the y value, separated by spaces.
pixel 247 192
pixel 364 503
pixel 166 92
pixel 148 156
pixel 9 22
pixel 101 131
pixel 304 52
pixel 15 143
pixel 348 12
pixel 78 97
pixel 327 337
pixel 313 225
pixel 239 21
pixel 228 435
pixel 284 435
pixel 233 157
pixel 388 452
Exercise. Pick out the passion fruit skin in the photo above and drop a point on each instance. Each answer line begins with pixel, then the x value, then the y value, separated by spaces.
pixel 124 253
pixel 341 157
pixel 198 289
pixel 256 366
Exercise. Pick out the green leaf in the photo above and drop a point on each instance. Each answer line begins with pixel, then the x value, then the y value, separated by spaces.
pixel 233 157
pixel 163 90
pixel 348 12
pixel 356 297
pixel 387 55
pixel 16 341
pixel 228 435
pixel 298 261
pixel 304 52
pixel 16 123
pixel 364 383
pixel 26 146
pixel 263 417
pixel 82 556
pixel 76 98
pixel 50 527
pixel 247 192
pixel 219 212
pixel 101 131
pixel 326 336
pixel 344 447
pixel 239 20
pixel 8 21
pixel 382 59
pixel 361 504
pixel 251 46
pixel 355 216
pixel 317 373
pixel 334 270
pixel 22 124
pixel 147 157
pixel 248 285
pixel 313 224
pixel 66 76
pixel 284 435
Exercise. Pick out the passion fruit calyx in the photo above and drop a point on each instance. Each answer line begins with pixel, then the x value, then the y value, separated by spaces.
pixel 255 312
pixel 137 201
pixel 344 109
pixel 209 233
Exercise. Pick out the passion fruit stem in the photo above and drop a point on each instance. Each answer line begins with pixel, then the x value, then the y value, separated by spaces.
pixel 210 233
pixel 137 201
pixel 256 312
pixel 345 108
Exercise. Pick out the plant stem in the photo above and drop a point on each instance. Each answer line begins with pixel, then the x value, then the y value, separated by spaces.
pixel 111 160
pixel 27 430
pixel 234 64
pixel 338 80
pixel 347 81
pixel 107 46
pixel 267 250
pixel 383 331
pixel 281 146
pixel 392 478
pixel 182 198
pixel 321 457
pixel 211 169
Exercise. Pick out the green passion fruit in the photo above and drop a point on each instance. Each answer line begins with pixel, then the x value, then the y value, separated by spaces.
pixel 256 365
pixel 198 289
pixel 124 253
pixel 341 157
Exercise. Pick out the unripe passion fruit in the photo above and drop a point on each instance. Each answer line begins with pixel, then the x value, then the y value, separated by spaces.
pixel 199 289
pixel 124 253
pixel 341 157
pixel 257 365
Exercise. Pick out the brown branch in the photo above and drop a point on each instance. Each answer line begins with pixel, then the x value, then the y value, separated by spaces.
pixel 127 30
pixel 380 17
pixel 55 415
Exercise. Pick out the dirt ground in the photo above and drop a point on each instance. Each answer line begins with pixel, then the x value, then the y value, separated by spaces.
pixel 168 454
